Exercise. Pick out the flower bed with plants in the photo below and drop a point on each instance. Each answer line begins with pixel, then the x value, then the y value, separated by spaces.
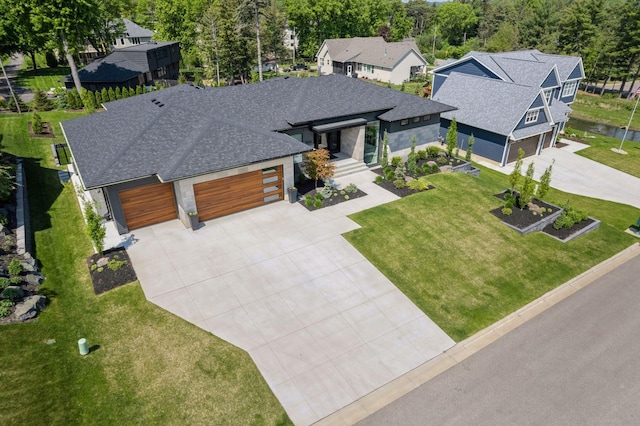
pixel 110 269
pixel 532 216
pixel 570 224
pixel 316 198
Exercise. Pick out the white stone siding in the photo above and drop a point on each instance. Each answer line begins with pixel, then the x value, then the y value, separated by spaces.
pixel 352 142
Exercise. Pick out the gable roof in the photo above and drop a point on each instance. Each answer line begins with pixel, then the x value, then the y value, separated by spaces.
pixel 486 103
pixel 524 66
pixel 134 30
pixel 120 65
pixel 371 51
pixel 185 131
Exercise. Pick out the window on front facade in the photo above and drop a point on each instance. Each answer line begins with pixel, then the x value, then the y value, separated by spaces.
pixel 368 68
pixel 531 117
pixel 404 122
pixel 547 94
pixel 416 119
pixel 569 88
pixel 426 117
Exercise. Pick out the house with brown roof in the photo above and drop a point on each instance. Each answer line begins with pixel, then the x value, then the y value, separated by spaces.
pixel 372 58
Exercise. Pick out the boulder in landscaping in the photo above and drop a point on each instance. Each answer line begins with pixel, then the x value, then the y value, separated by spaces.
pixel 30 307
pixel 35 278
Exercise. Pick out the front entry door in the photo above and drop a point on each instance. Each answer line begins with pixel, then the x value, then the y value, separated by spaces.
pixel 333 140
pixel 349 69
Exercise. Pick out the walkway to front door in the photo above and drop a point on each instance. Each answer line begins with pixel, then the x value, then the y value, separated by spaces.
pixel 322 324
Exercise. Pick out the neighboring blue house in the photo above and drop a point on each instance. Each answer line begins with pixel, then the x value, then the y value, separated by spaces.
pixel 507 100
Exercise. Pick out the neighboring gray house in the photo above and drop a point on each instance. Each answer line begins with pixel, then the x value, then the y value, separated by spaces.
pixel 132 35
pixel 372 58
pixel 217 151
pixel 508 100
pixel 141 64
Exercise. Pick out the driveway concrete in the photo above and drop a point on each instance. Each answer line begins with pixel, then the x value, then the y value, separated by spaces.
pixel 322 324
pixel 578 175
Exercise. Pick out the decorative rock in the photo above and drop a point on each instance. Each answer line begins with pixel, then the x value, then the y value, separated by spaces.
pixel 28 267
pixel 30 307
pixel 34 278
pixel 102 262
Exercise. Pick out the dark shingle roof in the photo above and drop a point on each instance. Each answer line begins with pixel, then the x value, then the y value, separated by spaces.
pixel 120 65
pixel 184 131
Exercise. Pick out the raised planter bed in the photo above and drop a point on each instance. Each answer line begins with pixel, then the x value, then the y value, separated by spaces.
pixel 525 221
pixel 568 234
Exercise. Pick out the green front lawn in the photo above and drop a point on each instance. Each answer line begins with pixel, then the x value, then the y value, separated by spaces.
pixel 43 78
pixel 146 367
pixel 462 266
pixel 612 111
pixel 600 151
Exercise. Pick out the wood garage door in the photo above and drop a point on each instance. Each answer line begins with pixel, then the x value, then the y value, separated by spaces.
pixel 548 138
pixel 529 145
pixel 236 193
pixel 147 205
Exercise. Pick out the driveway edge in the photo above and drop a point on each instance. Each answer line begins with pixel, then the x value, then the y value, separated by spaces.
pixel 399 387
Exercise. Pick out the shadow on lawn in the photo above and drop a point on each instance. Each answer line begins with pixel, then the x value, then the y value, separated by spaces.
pixel 43 187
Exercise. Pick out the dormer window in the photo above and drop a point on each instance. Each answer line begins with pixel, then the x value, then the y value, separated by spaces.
pixel 531 117
pixel 547 95
pixel 569 88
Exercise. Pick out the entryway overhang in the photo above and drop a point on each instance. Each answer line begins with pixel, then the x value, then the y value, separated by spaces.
pixel 324 128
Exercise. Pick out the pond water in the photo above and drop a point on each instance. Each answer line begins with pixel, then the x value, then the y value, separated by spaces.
pixel 603 129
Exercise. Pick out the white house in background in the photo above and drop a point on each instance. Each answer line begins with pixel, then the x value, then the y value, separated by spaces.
pixel 290 39
pixel 371 58
pixel 133 34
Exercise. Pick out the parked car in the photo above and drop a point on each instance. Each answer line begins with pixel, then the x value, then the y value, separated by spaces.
pixel 299 67
pixel 267 67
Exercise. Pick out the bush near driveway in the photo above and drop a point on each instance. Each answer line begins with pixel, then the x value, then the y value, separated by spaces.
pixel 462 266
pixel 147 366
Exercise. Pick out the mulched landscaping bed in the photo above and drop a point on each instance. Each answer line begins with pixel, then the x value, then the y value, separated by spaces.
pixel 400 192
pixel 47 131
pixel 564 233
pixel 106 278
pixel 336 198
pixel 522 218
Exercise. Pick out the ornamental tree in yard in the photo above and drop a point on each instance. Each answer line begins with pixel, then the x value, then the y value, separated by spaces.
pixel 317 166
pixel 384 162
pixel 516 174
pixel 545 182
pixel 467 156
pixel 528 186
pixel 452 137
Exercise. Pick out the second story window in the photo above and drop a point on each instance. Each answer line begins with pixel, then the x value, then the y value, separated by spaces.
pixel 531 117
pixel 569 88
pixel 547 94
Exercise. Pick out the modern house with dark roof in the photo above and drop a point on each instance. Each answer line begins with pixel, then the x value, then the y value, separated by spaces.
pixel 508 100
pixel 141 64
pixel 217 151
pixel 372 58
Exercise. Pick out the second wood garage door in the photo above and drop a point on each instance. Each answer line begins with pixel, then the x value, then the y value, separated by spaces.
pixel 529 145
pixel 147 205
pixel 236 193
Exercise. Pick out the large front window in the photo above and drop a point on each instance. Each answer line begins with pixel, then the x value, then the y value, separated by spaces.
pixel 569 88
pixel 371 140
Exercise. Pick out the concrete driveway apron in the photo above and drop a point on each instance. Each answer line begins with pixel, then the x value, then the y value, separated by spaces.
pixel 322 324
pixel 579 175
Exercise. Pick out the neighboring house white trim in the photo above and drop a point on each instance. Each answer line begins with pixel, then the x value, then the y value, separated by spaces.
pixel 531 116
pixel 569 88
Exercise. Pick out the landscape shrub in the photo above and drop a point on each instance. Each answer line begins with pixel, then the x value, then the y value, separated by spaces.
pixel 98 96
pixel 384 161
pixel 114 264
pixel 11 293
pixel 399 183
pixel 318 204
pixel 308 201
pixel 351 188
pixel 396 161
pixel 569 217
pixel 139 90
pixel 389 173
pixel 421 154
pixel 111 94
pixel 326 191
pixel 15 267
pixel 516 174
pixel 15 280
pixel 457 153
pixel 467 156
pixel 433 151
pixel 452 137
pixel 50 58
pixel 132 92
pixel 95 228
pixel 4 307
pixel 418 184
pixel 412 159
pixel 441 160
pixel 89 101
pixel 506 210
pixel 36 124
pixel 118 93
pixel 4 282
pixel 435 168
pixel 426 168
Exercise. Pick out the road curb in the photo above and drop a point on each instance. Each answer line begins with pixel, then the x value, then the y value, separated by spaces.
pixel 404 384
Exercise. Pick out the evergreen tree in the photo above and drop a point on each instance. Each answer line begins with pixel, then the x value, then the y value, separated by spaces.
pixel 98 96
pixel 104 94
pixel 528 186
pixel 467 156
pixel 112 94
pixel 384 162
pixel 452 137
pixel 516 174
pixel 412 159
pixel 545 182
pixel 132 92
pixel 139 90
pixel 118 93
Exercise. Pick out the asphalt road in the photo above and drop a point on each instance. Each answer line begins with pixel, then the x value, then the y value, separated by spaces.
pixel 577 363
